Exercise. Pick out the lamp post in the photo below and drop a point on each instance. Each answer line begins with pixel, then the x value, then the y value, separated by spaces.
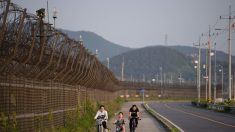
pixel 206 77
pixel 161 78
pixel 215 73
pixel 198 78
pixel 209 61
pixel 54 15
pixel 180 78
pixel 222 79
pixel 108 63
pixel 198 62
pixel 229 52
pixel 206 80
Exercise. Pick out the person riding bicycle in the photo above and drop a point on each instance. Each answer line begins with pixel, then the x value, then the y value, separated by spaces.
pixel 102 113
pixel 120 123
pixel 134 114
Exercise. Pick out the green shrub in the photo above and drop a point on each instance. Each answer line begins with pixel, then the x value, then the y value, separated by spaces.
pixel 4 121
pixel 203 104
pixel 227 109
pixel 194 103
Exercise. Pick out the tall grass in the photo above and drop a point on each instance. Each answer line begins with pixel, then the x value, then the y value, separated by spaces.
pixel 78 121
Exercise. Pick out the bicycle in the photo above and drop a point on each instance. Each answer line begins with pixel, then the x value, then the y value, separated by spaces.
pixel 119 127
pixel 133 123
pixel 99 121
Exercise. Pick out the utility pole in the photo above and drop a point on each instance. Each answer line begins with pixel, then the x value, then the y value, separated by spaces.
pixel 209 60
pixel 108 63
pixel 223 83
pixel 222 79
pixel 54 16
pixel 180 78
pixel 198 62
pixel 229 52
pixel 122 72
pixel 48 18
pixel 199 71
pixel 234 85
pixel 206 74
pixel 96 53
pixel 164 78
pixel 171 78
pixel 215 74
pixel 143 78
pixel 161 78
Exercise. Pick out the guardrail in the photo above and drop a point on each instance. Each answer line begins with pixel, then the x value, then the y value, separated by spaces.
pixel 167 123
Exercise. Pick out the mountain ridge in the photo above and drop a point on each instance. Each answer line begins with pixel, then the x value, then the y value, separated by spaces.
pixel 92 41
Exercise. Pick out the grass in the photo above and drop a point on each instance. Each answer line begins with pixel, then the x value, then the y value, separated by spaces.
pixel 84 122
pixel 8 122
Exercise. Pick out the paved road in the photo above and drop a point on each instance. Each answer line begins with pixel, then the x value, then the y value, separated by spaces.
pixel 146 124
pixel 192 119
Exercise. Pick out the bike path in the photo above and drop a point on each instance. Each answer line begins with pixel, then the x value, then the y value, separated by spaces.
pixel 146 124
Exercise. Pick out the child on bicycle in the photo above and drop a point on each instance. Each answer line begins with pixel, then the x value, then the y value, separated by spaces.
pixel 120 123
pixel 103 114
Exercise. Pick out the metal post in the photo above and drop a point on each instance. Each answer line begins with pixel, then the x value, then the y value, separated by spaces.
pixel 143 96
pixel 108 63
pixel 206 73
pixel 199 72
pixel 161 78
pixel 215 75
pixel 234 85
pixel 54 16
pixel 222 83
pixel 222 80
pixel 229 52
pixel 122 72
pixel 209 60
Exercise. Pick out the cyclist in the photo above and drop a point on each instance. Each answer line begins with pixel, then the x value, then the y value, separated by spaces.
pixel 102 113
pixel 134 114
pixel 120 123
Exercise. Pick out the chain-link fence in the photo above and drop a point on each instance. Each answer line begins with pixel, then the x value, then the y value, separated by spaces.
pixel 44 73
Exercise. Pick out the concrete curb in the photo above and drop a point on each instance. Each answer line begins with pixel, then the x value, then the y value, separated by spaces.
pixel 167 123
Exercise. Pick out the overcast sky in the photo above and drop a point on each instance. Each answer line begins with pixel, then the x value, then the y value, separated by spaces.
pixel 139 23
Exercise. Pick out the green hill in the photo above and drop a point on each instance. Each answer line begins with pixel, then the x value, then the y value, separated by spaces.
pixel 93 41
pixel 145 64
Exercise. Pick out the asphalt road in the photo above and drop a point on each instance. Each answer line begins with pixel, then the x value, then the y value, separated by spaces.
pixel 146 124
pixel 192 119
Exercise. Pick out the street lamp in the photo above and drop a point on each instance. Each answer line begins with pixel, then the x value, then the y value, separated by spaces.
pixel 206 78
pixel 108 63
pixel 215 73
pixel 161 78
pixel 198 62
pixel 180 78
pixel 222 79
pixel 153 80
pixel 54 15
pixel 205 66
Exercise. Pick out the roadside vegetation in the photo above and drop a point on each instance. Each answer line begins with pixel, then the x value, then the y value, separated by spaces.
pixel 227 106
pixel 84 121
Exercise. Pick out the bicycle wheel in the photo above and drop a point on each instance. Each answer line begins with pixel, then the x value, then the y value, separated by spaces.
pixel 133 125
